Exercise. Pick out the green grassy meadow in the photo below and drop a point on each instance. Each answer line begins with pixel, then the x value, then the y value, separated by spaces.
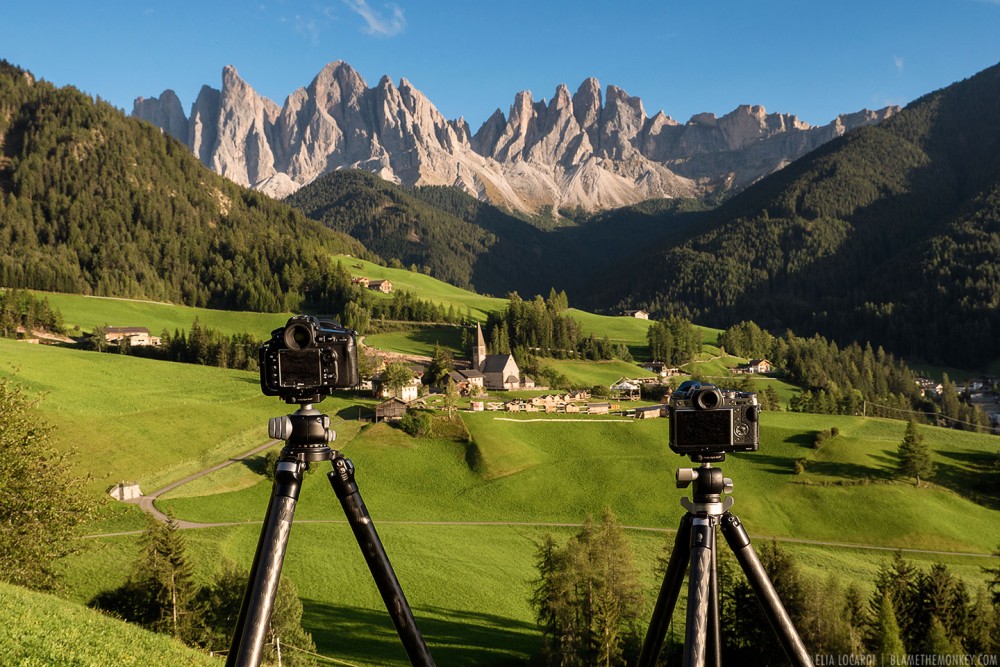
pixel 88 312
pixel 42 630
pixel 461 520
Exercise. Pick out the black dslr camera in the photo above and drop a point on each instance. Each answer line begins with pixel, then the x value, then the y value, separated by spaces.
pixel 706 422
pixel 307 359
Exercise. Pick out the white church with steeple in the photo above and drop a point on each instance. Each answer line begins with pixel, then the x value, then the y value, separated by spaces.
pixel 499 371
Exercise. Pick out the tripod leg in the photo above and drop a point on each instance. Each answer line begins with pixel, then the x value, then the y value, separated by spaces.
pixel 247 644
pixel 667 599
pixel 713 651
pixel 699 580
pixel 342 481
pixel 739 542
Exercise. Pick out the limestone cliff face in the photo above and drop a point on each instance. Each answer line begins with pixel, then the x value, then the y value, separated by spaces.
pixel 571 151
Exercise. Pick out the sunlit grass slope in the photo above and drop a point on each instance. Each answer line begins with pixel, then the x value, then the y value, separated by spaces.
pixel 42 630
pixel 88 312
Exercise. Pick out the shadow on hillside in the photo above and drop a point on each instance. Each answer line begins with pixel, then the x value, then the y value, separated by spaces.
pixel 849 471
pixel 973 475
pixel 806 439
pixel 355 412
pixel 782 465
pixel 454 637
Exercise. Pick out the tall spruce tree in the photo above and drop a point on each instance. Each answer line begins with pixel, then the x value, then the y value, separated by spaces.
pixel 587 597
pixel 885 640
pixel 914 455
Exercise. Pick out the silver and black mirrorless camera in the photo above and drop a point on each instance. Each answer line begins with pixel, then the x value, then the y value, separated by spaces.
pixel 707 422
pixel 307 359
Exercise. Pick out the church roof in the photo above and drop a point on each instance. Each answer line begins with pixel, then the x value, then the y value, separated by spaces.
pixel 495 363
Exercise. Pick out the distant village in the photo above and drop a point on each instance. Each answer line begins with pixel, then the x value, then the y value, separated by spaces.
pixel 484 377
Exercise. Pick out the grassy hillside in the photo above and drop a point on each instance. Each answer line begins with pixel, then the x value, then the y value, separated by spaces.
pixel 40 630
pixel 141 420
pixel 461 521
pixel 90 311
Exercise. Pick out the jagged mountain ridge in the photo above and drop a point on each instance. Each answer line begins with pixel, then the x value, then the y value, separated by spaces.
pixel 581 150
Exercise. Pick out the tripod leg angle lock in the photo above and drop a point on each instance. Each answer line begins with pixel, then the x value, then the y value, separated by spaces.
pixel 307 435
pixel 694 545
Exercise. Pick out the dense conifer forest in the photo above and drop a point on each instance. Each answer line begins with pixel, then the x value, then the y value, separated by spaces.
pixel 97 203
pixel 889 234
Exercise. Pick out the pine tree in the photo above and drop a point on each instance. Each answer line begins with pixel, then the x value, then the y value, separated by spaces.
pixel 587 597
pixel 165 568
pixel 885 638
pixel 914 455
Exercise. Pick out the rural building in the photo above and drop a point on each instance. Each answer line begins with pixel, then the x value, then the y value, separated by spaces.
pixel 499 371
pixel 391 410
pixel 136 336
pixel 649 412
pixel 598 408
pixel 125 491
pixel 360 281
pixel 660 368
pixel 407 393
pixel 383 286
pixel 637 314
pixel 760 366
pixel 467 380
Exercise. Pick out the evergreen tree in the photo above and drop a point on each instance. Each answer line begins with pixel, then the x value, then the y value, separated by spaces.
pixel 914 455
pixel 885 640
pixel 41 500
pixel 587 597
pixel 166 570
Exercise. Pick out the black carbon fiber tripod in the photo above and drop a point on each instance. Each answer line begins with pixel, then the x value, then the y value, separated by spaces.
pixel 695 542
pixel 307 434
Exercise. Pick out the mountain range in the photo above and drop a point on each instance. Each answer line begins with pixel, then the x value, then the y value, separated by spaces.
pixel 889 233
pixel 582 150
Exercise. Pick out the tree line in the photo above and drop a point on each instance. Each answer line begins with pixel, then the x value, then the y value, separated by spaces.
pixel 589 607
pixel 162 594
pixel 94 202
pixel 20 309
pixel 850 380
pixel 541 327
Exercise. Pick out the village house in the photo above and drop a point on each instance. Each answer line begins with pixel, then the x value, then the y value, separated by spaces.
pixel 638 314
pixel 760 366
pixel 407 393
pixel 384 286
pixel 661 369
pixel 136 336
pixel 363 281
pixel 467 380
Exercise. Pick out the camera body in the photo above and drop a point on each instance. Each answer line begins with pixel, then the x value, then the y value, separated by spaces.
pixel 706 421
pixel 307 359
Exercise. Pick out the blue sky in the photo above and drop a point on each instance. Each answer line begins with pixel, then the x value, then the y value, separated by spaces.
pixel 812 59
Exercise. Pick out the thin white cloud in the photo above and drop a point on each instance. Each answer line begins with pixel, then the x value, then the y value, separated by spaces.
pixel 898 62
pixel 307 27
pixel 377 23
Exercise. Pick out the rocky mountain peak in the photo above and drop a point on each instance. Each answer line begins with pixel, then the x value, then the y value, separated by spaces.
pixel 585 149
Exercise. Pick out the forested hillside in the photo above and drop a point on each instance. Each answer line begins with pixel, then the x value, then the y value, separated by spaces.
pixel 890 234
pixel 94 202
pixel 472 244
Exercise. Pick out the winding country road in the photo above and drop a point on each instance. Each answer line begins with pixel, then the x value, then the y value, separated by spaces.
pixel 147 504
